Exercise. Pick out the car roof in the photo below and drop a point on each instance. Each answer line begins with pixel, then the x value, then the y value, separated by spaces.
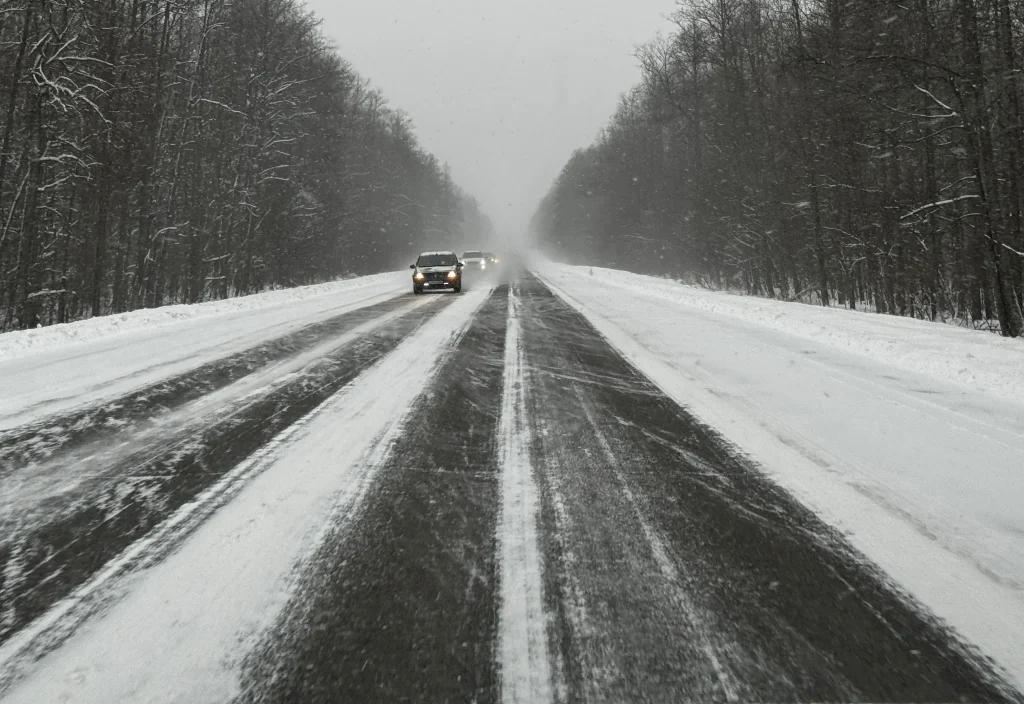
pixel 427 254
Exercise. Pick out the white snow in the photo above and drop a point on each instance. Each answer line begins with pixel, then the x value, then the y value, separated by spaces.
pixel 29 493
pixel 908 436
pixel 23 342
pixel 978 360
pixel 179 633
pixel 53 369
pixel 522 625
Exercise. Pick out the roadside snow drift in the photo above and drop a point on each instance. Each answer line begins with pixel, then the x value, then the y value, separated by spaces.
pixel 53 369
pixel 23 342
pixel 978 360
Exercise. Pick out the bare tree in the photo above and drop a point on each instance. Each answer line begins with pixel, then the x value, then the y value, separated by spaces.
pixel 856 154
pixel 182 150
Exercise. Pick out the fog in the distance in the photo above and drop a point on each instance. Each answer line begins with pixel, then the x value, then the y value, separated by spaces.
pixel 501 90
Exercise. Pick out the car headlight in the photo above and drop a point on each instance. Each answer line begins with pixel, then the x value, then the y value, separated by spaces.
pixel 483 265
pixel 452 274
pixel 418 276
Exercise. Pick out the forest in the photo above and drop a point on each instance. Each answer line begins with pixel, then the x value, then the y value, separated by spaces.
pixel 177 151
pixel 861 153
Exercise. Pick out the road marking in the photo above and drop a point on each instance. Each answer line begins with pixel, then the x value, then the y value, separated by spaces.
pixel 522 636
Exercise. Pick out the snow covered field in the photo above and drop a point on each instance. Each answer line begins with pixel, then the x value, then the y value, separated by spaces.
pixel 908 436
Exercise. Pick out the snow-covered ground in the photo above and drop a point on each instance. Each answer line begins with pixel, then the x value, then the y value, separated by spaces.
pixel 52 369
pixel 23 342
pixel 29 495
pixel 906 435
pixel 186 623
pixel 975 359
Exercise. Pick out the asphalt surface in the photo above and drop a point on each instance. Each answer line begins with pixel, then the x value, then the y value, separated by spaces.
pixel 402 607
pixel 678 571
pixel 673 569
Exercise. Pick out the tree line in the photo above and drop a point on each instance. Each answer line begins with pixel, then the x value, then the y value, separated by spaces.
pixel 854 152
pixel 167 151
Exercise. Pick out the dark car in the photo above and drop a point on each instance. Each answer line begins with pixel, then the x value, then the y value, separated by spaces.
pixel 437 270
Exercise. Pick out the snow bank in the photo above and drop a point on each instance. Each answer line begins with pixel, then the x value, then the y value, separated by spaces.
pixel 52 370
pixel 23 342
pixel 977 359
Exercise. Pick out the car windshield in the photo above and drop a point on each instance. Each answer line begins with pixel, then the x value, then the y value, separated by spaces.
pixel 437 260
pixel 473 255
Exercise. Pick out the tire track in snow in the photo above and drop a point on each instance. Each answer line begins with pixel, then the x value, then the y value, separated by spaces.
pixel 522 635
pixel 703 567
pixel 179 631
pixel 715 651
pixel 621 631
pixel 955 572
pixel 73 436
pixel 402 604
pixel 55 544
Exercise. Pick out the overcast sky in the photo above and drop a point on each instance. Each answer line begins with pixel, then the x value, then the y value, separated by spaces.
pixel 503 90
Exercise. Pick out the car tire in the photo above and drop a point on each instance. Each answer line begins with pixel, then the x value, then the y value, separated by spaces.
pixel 417 290
pixel 457 288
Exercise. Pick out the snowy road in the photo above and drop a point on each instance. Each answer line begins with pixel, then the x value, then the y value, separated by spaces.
pixel 436 498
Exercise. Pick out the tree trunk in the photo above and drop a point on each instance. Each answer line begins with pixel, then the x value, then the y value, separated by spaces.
pixel 1011 319
pixel 819 240
pixel 12 110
